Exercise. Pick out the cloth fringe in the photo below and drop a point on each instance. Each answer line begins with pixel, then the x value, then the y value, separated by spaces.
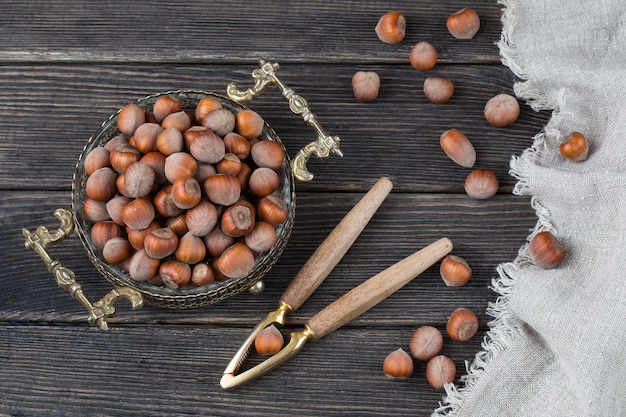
pixel 505 329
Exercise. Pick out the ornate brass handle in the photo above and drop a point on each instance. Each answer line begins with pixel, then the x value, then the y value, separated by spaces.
pixel 99 312
pixel 322 147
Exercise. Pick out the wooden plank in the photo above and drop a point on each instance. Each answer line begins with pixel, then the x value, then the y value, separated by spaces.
pixel 233 31
pixel 164 371
pixel 51 111
pixel 404 224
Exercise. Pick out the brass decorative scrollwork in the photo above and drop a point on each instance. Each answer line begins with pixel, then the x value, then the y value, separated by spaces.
pixel 99 312
pixel 321 148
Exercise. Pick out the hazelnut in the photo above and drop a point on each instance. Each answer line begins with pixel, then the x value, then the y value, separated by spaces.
pixel 201 219
pixel 142 267
pixel 222 189
pixel 426 342
pixel 178 224
pixel 115 206
pixel 458 147
pixel 156 161
pixel 237 144
pixel 160 243
pixel 138 180
pixel 186 192
pixel 164 204
pixel 217 241
pixel 238 219
pixel 365 86
pixel 100 185
pixel 391 27
pixel 575 147
pixel 102 232
pixel 206 105
pixel 207 147
pixel 502 110
pixel 462 325
pixel 230 164
pixel 175 274
pixel 261 238
pixel 263 181
pixel 179 120
pixel 463 24
pixel 137 237
pixel 221 121
pixel 145 137
pixel 96 159
pixel 202 274
pixel 398 364
pixel 179 164
pixel 166 105
pixel 122 156
pixel 438 89
pixel 423 56
pixel 269 341
pixel 455 271
pixel 204 171
pixel 481 184
pixel 272 209
pixel 170 141
pixel 138 214
pixel 546 251
pixel 116 250
pixel 115 142
pixel 95 211
pixel 249 124
pixel 267 153
pixel 190 249
pixel 440 370
pixel 236 261
pixel 130 117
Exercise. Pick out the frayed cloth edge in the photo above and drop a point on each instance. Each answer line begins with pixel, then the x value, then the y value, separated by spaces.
pixel 504 329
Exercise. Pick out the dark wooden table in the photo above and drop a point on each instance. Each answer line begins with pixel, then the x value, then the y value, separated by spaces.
pixel 66 66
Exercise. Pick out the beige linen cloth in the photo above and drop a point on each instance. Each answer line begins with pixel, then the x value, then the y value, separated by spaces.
pixel 557 344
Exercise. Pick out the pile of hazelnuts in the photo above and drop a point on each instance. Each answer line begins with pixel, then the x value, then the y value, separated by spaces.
pixel 184 197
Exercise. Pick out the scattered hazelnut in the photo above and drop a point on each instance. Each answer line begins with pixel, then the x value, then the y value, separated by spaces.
pixel 458 147
pixel 438 89
pixel 440 370
pixel 269 341
pixel 391 27
pixel 365 86
pixel 423 56
pixel 481 184
pixel 398 364
pixel 502 110
pixel 426 342
pixel 455 271
pixel 462 325
pixel 546 251
pixel 463 24
pixel 575 147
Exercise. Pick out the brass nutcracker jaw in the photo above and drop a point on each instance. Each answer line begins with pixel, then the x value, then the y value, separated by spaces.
pixel 321 148
pixel 99 312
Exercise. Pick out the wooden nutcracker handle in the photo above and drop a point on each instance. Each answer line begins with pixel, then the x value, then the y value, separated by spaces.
pixel 360 299
pixel 334 247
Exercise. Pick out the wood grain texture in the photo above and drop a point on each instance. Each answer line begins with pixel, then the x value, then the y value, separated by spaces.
pixel 65 67
pixel 175 371
pixel 233 31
